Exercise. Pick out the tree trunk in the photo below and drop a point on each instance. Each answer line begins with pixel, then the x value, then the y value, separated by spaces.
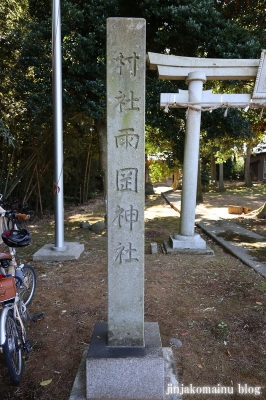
pixel 213 171
pixel 86 176
pixel 102 134
pixel 176 183
pixel 39 189
pixel 148 183
pixel 88 179
pixel 28 191
pixel 221 178
pixel 248 181
pixel 8 172
pixel 3 169
pixel 199 198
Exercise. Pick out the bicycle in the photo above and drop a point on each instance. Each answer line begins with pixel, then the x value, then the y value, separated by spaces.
pixel 17 288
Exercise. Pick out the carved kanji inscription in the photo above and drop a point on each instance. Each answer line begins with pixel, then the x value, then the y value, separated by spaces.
pixel 127 179
pixel 128 216
pixel 127 138
pixel 127 103
pixel 126 253
pixel 123 62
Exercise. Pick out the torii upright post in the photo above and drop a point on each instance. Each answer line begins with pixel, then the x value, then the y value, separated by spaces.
pixel 195 82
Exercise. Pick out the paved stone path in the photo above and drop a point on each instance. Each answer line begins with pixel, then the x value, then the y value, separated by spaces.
pixel 213 221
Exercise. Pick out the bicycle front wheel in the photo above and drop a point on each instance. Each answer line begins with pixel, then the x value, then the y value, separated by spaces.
pixel 13 349
pixel 28 285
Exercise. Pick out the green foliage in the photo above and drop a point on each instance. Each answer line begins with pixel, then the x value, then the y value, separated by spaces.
pixel 190 28
pixel 249 14
pixel 225 130
pixel 159 154
pixel 164 127
pixel 28 114
pixel 159 170
pixel 234 168
pixel 198 28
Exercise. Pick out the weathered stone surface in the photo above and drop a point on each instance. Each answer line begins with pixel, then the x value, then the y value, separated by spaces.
pixel 125 372
pixel 176 342
pixel 98 227
pixel 126 65
pixel 85 225
pixel 154 248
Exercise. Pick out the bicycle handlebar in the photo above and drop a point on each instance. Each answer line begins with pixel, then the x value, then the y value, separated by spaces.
pixel 22 216
pixel 13 215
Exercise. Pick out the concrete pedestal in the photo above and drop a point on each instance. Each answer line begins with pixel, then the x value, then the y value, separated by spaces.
pixel 78 391
pixel 46 253
pixel 125 372
pixel 188 244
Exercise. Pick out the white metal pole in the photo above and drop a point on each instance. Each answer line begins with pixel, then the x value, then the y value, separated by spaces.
pixel 58 127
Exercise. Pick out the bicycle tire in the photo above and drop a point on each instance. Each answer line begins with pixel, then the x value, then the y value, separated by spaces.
pixel 28 286
pixel 13 349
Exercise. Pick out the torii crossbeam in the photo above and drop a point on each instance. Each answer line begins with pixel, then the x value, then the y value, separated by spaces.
pixel 197 71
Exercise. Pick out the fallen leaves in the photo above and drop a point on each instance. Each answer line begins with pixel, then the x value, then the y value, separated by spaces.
pixel 45 383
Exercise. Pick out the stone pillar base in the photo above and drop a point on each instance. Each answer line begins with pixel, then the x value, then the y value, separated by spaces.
pixel 188 244
pixel 125 372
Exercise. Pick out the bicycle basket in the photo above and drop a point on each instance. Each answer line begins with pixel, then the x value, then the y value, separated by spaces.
pixel 16 238
pixel 8 288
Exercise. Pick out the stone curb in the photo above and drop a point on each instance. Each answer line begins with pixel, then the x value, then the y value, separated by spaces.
pixel 212 229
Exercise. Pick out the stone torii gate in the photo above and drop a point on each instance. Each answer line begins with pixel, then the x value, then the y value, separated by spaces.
pixel 196 71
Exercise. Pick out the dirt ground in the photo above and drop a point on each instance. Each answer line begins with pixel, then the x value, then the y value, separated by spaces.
pixel 215 305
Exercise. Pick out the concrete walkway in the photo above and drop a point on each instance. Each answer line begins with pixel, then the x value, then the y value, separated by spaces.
pixel 215 220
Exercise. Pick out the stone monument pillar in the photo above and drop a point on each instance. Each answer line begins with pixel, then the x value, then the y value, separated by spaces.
pixel 125 359
pixel 126 66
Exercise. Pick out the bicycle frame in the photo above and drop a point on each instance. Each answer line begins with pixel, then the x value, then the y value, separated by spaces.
pixel 3 315
pixel 9 306
pixel 10 270
pixel 14 313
